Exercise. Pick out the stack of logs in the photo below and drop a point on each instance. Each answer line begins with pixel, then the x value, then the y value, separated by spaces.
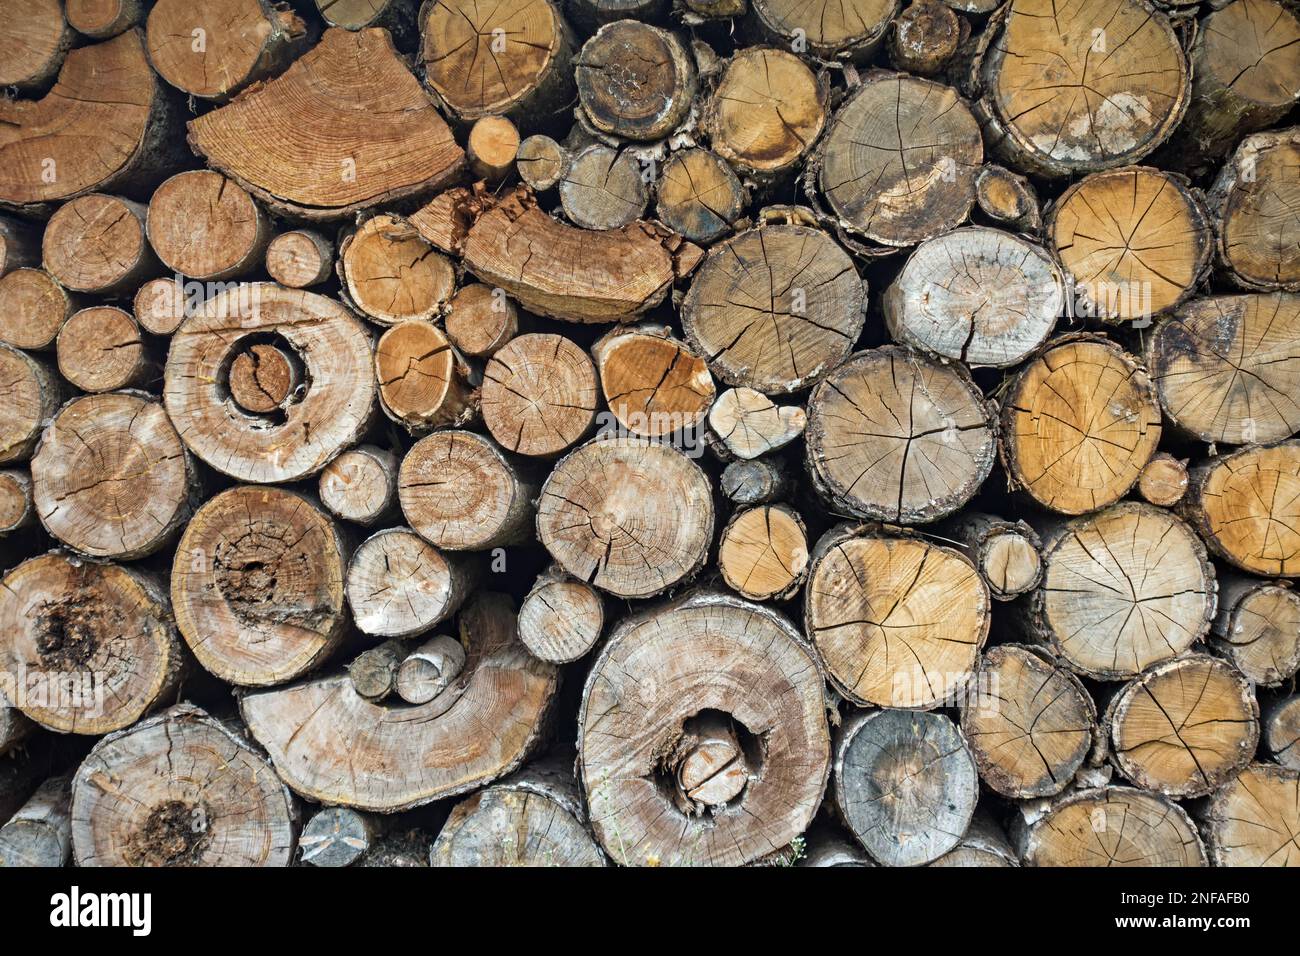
pixel 828 432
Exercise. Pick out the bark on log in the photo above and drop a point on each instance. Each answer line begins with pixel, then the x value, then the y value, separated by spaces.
pixel 205 226
pixel 1007 554
pixel 699 196
pixel 827 30
pixel 1111 826
pixel 539 395
pixel 604 188
pixel 33 307
pixel 748 424
pixel 350 128
pixel 16 508
pixel 635 81
pixel 391 274
pixel 91 646
pixel 653 690
pixel 763 553
pixel 40 833
pixel 653 384
pixel 1163 481
pixel 541 162
pixel 870 461
pixel 131 808
pixel 561 618
pixel 399 585
pixel 100 349
pixel 423 382
pixel 258 585
pixel 360 485
pixel 1253 199
pixel 481 321
pixel 1282 731
pixel 331 744
pixel 904 784
pixel 867 590
pixel 1008 198
pixel 430 669
pixel 630 516
pixel 300 258
pixel 336 837
pixel 31 393
pixel 1252 820
pixel 111 478
pixel 97 243
pixel 103 19
pixel 33 43
pixel 1079 424
pixel 1257 627
pixel 925 36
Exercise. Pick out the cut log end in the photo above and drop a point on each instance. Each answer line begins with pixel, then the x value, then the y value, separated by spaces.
pixel 300 258
pixel 1113 826
pixel 1248 819
pixel 1164 480
pixel 205 226
pixel 392 274
pixel 561 618
pixel 335 837
pixel 360 485
pixel 423 383
pixel 100 349
pixel 493 147
pixel 399 585
pixel 430 669
pixel 539 394
pixel 763 553
pixel 482 320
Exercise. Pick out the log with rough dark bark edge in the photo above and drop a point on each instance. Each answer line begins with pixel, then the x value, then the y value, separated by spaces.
pixel 653 384
pixel 1079 423
pixel 300 258
pixel 752 746
pixel 330 744
pixel 1245 76
pixel 1008 198
pixel 1135 241
pixel 630 516
pixel 111 478
pixel 535 817
pixel 1253 201
pixel 217 48
pixel 100 349
pixel 898 162
pixel 604 188
pixel 1252 820
pixel 399 585
pixel 390 274
pixel 1282 731
pixel 106 94
pixel 351 128
pixel 481 320
pixel 1226 367
pixel 30 393
pixel 360 485
pixel 491 147
pixel 748 424
pixel 763 553
pixel 1184 727
pixel 918 466
pixel 561 618
pixel 984 845
pixel 337 836
pixel 775 308
pixel 926 36
pixel 33 43
pixel 1030 57
pixel 40 832
pixel 755 482
pixel 824 29
pixel 33 307
pixel 635 81
pixel 981 295
pixel 430 669
pixel 130 806
pixel 161 305
pixel 1257 627
pixel 539 394
pixel 511 59
pixel 103 19
pixel 423 382
pixel 698 195
pixel 766 112
pixel 332 413
pixel 203 225
pixel 1110 826
pixel 257 585
pixel 96 243
pixel 904 783
pixel 16 508
pixel 1008 554
pixel 1243 505
pixel 461 492
pixel 91 647
pixel 1122 589
pixel 1163 480
pixel 20 245
pixel 541 162
pixel 866 586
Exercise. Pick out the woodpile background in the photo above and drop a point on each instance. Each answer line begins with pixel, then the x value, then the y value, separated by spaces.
pixel 621 432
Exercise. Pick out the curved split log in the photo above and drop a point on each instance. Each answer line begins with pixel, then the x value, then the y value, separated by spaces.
pixel 258 584
pixel 680 767
pixel 1111 826
pixel 423 382
pixel 30 394
pixel 96 243
pixel 541 162
pixel 1163 481
pixel 33 44
pixel 399 585
pixel 300 258
pixel 870 461
pixel 100 349
pixel 539 394
pixel 203 225
pixel 604 188
pixel 330 744
pixel 749 424
pixel 391 274
pixel 481 320
pixel 763 553
pixel 430 669
pixel 1008 554
pixel 1253 199
pixel 904 784
pixel 131 808
pixel 1252 820
pixel 635 81
pixel 630 516
pixel 698 195
pixel 111 478
pixel 654 385
pixel 351 128
pixel 360 485
pixel 1282 731
pixel 103 19
pixel 1008 198
pixel 33 307
pixel 1258 627
pixel 91 646
pixel 824 29
pixel 40 833
pixel 561 618
pixel 16 508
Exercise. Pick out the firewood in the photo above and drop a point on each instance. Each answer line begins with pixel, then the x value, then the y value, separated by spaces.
pixel 492 147
pixel 904 784
pixel 533 818
pixel 635 80
pixel 111 478
pixel 984 845
pixel 373 672
pixel 1250 200
pixel 423 383
pixel 763 553
pixel 329 743
pixel 18 781
pixel 103 19
pixel 16 508
pixel 351 127
pixel 33 307
pixel 399 585
pixel 1006 553
pixel 262 378
pixel 825 29
pixel 100 349
pixel 901 182
pixel 31 393
pixel 95 641
pixel 1242 506
pixel 1122 589
pixel 749 424
pixel 33 43
pixel 481 321
pixel 1135 241
pixel 257 585
pixel 40 833
pixel 541 162
pixel 15 726
pixel 866 588
pixel 391 274
pixel 645 703
pixel 1164 480
pixel 925 36
pixel 161 305
pixel 630 516
pixel 1111 826
pixel 603 189
pixel 131 808
pixel 698 195
pixel 337 836
pixel 1282 731
pixel 826 846
pixel 1079 423
pixel 1030 56
pixel 430 669
pixel 203 225
pixel 1257 627
pixel 591 15
pixel 1249 821
pixel 460 491
pixel 1008 198
pixel 333 412
pixel 539 394
pixel 360 485
pixel 775 308
pixel 300 258
pixel 981 295
pixel 360 14
pixel 653 384
pixel 97 244
pixel 561 618
pixel 868 460
pixel 755 482
pixel 20 245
